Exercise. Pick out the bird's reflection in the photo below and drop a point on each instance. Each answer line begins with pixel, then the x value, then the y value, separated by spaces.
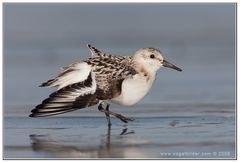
pixel 52 148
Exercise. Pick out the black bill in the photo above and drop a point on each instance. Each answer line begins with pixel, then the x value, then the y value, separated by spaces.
pixel 170 65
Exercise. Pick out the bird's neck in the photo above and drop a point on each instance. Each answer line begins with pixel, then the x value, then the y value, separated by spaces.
pixel 145 71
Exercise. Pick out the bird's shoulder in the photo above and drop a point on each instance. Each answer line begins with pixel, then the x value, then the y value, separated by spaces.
pixel 110 71
pixel 112 66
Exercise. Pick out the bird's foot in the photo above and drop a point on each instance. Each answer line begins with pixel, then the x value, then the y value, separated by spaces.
pixel 123 118
pixel 117 115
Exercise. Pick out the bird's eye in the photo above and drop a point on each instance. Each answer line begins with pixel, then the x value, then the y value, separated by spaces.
pixel 152 56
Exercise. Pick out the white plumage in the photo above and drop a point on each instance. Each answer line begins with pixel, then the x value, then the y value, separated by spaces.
pixel 78 72
pixel 133 90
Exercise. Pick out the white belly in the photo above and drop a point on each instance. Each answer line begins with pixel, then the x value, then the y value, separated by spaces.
pixel 133 90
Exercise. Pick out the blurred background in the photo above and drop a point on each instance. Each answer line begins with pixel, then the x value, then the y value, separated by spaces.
pixel 199 38
pixel 188 111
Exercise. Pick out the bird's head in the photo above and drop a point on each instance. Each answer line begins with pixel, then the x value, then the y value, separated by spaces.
pixel 152 59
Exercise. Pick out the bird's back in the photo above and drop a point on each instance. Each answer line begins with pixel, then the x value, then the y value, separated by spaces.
pixel 110 71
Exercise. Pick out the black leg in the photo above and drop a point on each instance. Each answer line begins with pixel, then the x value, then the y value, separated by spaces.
pixel 101 108
pixel 108 144
pixel 108 113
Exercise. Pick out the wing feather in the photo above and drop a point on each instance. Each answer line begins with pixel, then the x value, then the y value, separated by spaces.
pixel 94 51
pixel 71 74
pixel 85 83
pixel 110 72
pixel 69 98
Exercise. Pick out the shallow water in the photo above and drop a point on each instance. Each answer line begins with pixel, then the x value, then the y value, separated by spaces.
pixel 164 135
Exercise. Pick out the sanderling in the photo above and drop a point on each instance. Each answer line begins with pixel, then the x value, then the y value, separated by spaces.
pixel 103 79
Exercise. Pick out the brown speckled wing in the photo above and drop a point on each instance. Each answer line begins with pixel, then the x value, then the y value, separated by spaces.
pixel 110 72
pixel 108 90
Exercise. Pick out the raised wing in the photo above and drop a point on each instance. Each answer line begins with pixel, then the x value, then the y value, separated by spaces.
pixel 73 73
pixel 70 98
pixel 85 83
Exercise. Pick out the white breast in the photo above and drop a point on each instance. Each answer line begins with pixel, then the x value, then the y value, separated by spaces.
pixel 133 90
